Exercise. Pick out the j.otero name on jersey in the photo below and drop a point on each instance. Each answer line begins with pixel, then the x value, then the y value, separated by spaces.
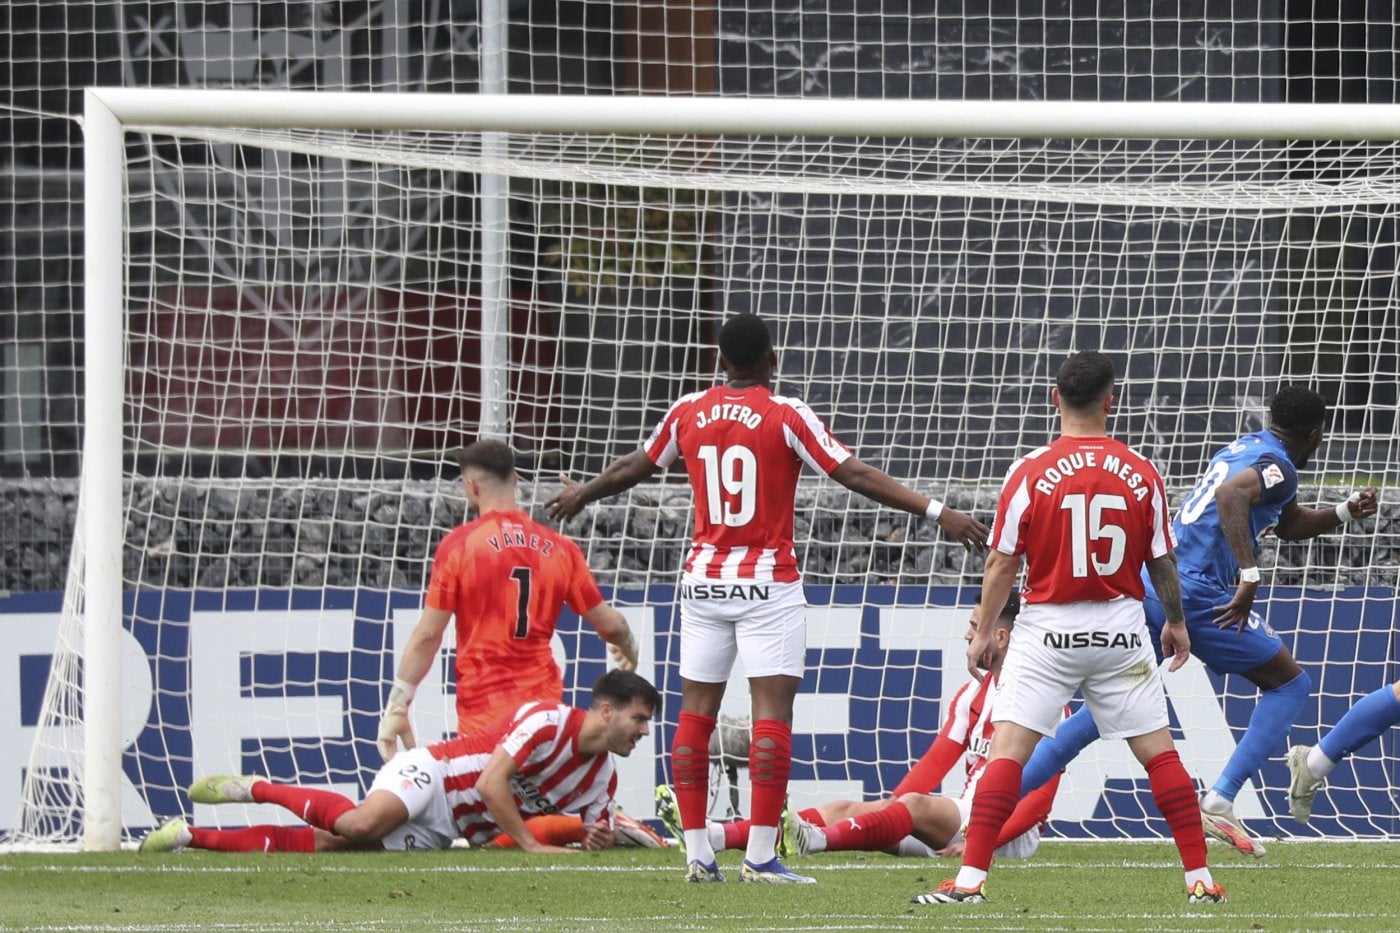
pixel 1071 464
pixel 726 412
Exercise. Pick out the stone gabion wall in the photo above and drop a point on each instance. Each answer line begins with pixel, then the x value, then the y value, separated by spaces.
pixel 316 533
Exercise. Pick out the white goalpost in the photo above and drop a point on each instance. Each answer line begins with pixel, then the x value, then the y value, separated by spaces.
pixel 297 304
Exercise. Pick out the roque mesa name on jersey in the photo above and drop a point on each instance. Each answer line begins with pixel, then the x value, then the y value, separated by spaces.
pixel 1071 464
pixel 1093 640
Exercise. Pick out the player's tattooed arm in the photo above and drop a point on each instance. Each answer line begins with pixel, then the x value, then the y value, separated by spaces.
pixel 1162 571
pixel 1176 641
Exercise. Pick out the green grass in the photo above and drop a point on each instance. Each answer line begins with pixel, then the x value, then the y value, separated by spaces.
pixel 1068 886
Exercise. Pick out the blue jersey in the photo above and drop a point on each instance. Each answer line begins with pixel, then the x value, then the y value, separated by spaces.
pixel 1204 560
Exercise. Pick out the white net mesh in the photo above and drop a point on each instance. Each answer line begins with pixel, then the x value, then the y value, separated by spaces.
pixel 305 346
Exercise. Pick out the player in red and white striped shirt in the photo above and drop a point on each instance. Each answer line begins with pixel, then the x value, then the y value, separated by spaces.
pixel 913 821
pixel 1086 513
pixel 542 758
pixel 741 592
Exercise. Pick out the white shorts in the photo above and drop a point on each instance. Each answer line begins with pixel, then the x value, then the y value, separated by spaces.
pixel 416 778
pixel 764 624
pixel 1102 649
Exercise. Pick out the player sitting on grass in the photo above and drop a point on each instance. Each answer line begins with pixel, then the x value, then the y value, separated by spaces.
pixel 543 758
pixel 912 822
pixel 1310 765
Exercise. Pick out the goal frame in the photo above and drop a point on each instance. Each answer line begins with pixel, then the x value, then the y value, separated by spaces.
pixel 109 112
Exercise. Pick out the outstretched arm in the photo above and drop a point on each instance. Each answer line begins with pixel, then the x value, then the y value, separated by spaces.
pixel 875 484
pixel 622 474
pixel 1298 523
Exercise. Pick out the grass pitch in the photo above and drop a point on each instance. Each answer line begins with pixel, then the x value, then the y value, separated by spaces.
pixel 1068 886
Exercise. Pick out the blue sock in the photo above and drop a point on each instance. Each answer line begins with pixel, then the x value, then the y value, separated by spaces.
pixel 1372 715
pixel 1054 752
pixel 1273 716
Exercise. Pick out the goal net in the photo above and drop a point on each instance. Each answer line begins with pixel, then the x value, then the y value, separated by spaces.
pixel 298 327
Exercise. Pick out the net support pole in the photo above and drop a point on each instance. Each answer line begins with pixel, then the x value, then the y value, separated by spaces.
pixel 101 484
pixel 493 205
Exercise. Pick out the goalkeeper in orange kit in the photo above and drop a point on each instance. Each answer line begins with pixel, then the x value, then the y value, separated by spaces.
pixel 502 579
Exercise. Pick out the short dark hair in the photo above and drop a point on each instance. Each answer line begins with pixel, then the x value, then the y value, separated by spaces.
pixel 1007 617
pixel 744 340
pixel 491 457
pixel 1297 409
pixel 620 688
pixel 1084 379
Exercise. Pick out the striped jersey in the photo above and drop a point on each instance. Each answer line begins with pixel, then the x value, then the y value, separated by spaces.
pixel 505 577
pixel 969 723
pixel 552 777
pixel 743 451
pixel 1087 512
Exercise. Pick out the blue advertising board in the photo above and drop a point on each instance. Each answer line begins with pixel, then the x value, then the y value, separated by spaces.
pixel 290 683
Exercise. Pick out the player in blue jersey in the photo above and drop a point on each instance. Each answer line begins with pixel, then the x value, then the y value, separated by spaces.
pixel 1249 489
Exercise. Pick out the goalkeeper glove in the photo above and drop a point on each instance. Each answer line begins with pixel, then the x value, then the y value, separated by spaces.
pixel 625 654
pixel 395 724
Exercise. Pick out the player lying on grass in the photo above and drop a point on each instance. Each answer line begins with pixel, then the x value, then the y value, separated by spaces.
pixel 501 581
pixel 912 822
pixel 543 758
pixel 1310 765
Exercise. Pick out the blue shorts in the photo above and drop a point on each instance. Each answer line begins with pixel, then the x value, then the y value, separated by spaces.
pixel 1224 651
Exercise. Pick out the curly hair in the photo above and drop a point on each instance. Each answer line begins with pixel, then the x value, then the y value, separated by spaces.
pixel 744 340
pixel 1297 409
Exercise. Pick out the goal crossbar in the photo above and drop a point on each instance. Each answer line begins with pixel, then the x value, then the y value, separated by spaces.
pixel 528 113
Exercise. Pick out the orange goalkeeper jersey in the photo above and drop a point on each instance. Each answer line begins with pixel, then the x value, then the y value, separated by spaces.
pixel 504 577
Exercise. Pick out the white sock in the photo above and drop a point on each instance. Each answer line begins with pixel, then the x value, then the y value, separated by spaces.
pixel 697 846
pixel 816 840
pixel 1199 874
pixel 969 878
pixel 763 841
pixel 911 847
pixel 716 835
pixel 1319 765
pixel 1214 803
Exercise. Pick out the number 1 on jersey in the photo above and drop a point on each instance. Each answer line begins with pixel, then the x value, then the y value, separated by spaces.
pixel 1087 528
pixel 735 474
pixel 521 576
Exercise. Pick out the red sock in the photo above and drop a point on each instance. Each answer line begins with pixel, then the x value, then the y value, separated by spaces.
pixel 1175 796
pixel 770 761
pixel 320 808
pixel 812 815
pixel 690 766
pixel 992 804
pixel 255 839
pixel 736 834
pixel 871 832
